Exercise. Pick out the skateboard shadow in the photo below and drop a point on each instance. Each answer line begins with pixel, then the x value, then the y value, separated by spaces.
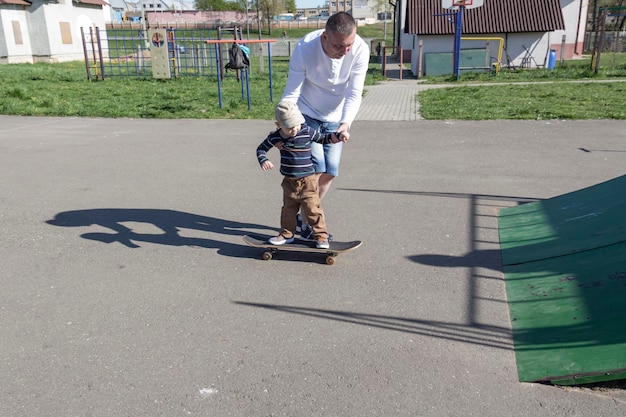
pixel 171 227
pixel 484 258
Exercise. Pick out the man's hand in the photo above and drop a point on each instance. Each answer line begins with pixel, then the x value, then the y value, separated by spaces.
pixel 343 132
pixel 340 137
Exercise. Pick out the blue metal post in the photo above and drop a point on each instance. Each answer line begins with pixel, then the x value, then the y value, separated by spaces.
pixel 241 73
pixel 457 41
pixel 246 74
pixel 219 73
pixel 247 86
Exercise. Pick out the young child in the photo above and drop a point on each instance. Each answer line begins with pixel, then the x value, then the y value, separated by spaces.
pixel 300 183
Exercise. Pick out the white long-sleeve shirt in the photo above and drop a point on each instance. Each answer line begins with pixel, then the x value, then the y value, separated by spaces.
pixel 327 89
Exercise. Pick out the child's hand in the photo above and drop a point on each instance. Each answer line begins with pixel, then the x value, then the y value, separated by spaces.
pixel 267 165
pixel 335 137
pixel 342 136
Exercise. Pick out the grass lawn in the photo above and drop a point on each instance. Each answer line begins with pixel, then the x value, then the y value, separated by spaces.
pixel 570 91
pixel 63 90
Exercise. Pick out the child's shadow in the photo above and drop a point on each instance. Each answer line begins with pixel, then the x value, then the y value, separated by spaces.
pixel 170 224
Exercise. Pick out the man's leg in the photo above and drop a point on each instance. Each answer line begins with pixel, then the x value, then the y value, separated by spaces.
pixel 324 184
pixel 332 157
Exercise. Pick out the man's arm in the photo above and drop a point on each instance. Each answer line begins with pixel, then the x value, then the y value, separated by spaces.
pixel 324 138
pixel 354 94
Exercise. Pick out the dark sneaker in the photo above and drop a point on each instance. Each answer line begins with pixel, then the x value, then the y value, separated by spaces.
pixel 298 223
pixel 280 240
pixel 322 243
pixel 307 234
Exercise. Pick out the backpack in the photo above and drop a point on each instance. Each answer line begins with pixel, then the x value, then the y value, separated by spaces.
pixel 237 58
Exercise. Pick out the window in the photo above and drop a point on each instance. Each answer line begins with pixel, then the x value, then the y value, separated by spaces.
pixel 17 32
pixel 66 33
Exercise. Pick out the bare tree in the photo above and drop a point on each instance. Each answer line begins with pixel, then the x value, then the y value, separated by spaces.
pixel 269 9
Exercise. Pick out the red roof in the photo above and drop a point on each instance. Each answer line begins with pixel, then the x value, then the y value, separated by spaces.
pixel 18 2
pixel 494 16
pixel 93 2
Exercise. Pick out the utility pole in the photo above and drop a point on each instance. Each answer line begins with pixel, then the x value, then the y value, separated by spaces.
pixel 258 18
pixel 143 25
pixel 247 3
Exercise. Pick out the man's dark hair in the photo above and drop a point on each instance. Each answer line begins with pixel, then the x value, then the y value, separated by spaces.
pixel 341 22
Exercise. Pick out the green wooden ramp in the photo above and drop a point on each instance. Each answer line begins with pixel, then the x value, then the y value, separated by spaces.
pixel 564 262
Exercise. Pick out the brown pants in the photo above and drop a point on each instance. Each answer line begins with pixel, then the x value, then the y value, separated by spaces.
pixel 302 193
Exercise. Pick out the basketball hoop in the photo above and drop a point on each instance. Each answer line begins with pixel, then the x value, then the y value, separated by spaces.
pixel 455 4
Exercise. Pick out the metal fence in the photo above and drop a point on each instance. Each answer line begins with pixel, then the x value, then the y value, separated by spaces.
pixel 611 42
pixel 251 24
pixel 126 52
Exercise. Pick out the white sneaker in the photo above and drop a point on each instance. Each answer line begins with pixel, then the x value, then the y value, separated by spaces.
pixel 322 243
pixel 280 240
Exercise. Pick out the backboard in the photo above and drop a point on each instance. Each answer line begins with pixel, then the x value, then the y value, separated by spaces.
pixel 454 4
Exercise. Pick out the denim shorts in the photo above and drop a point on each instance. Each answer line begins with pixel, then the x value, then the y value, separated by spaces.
pixel 325 157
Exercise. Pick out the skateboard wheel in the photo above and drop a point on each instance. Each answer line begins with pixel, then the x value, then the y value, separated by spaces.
pixel 267 256
pixel 330 260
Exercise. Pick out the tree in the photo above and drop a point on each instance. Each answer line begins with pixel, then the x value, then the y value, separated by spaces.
pixel 220 5
pixel 270 8
pixel 290 6
pixel 620 25
pixel 594 12
pixel 381 6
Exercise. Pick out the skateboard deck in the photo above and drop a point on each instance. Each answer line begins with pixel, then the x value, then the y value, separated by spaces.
pixel 300 245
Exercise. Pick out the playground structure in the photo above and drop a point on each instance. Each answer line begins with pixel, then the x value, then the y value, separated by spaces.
pixel 170 53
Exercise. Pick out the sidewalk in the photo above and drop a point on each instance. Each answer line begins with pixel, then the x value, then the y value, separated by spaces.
pixel 393 99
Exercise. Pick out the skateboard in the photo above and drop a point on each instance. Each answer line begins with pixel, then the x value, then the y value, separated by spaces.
pixel 300 245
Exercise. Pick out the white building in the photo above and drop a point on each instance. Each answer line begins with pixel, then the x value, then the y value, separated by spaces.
pixel 367 10
pixel 528 30
pixel 41 31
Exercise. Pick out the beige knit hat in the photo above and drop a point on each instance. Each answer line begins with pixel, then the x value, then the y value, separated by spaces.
pixel 288 114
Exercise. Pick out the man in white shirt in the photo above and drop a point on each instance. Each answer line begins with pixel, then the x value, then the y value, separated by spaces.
pixel 326 76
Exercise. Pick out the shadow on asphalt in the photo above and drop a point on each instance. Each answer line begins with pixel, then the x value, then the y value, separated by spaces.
pixel 485 335
pixel 485 258
pixel 483 208
pixel 166 227
pixel 483 241
pixel 170 226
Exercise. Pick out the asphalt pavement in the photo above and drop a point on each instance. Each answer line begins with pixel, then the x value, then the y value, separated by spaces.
pixel 128 291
